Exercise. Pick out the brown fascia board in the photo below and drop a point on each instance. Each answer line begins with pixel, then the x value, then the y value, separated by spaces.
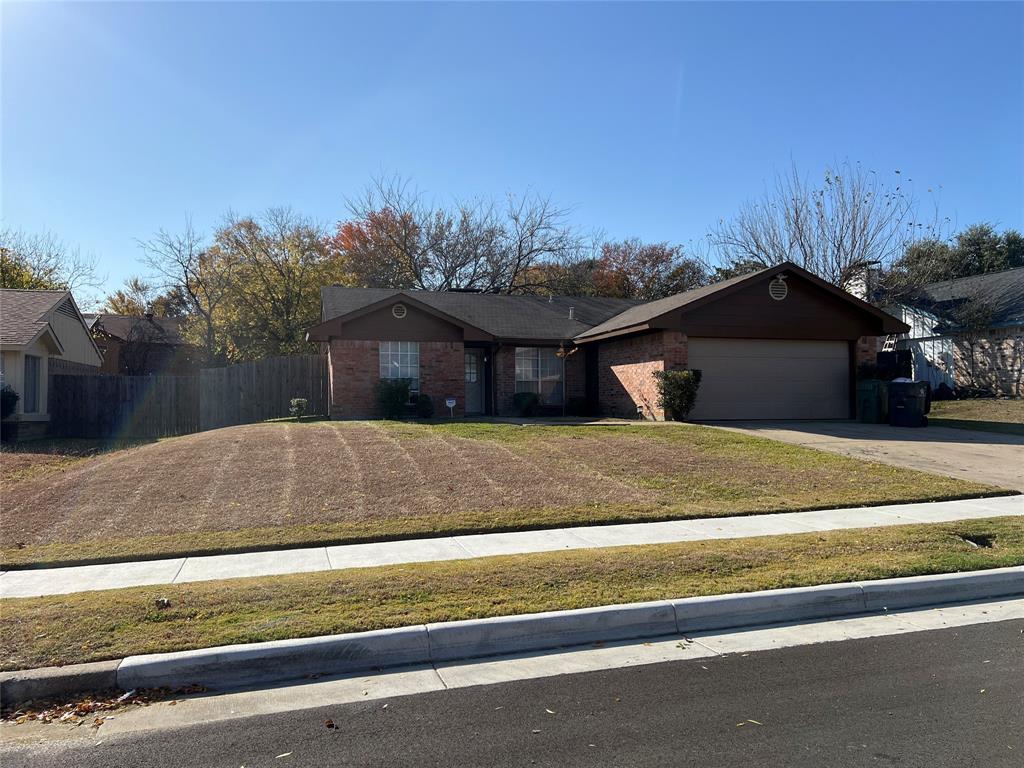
pixel 619 332
pixel 311 334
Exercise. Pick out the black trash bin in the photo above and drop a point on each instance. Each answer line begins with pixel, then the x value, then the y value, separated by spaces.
pixel 909 401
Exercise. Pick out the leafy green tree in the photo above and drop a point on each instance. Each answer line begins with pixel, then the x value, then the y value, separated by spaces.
pixel 977 250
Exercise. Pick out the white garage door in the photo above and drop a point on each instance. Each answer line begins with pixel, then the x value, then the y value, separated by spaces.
pixel 770 379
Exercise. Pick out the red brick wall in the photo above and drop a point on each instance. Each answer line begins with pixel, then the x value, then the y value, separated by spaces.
pixel 505 378
pixel 867 348
pixel 626 372
pixel 443 374
pixel 355 368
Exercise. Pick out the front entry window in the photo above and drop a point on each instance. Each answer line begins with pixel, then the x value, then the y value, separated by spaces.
pixel 401 360
pixel 539 369
pixel 31 404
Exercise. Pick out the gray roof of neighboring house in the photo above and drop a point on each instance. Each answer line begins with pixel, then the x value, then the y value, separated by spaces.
pixel 1003 291
pixel 160 330
pixel 500 315
pixel 23 313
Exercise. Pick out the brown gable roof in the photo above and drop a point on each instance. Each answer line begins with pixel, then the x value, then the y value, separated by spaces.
pixel 638 318
pixel 158 330
pixel 23 314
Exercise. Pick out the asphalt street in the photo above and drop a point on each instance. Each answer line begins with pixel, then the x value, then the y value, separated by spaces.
pixel 951 697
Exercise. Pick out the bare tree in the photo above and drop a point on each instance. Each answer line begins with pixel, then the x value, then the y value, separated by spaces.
pixel 838 230
pixel 395 239
pixel 43 261
pixel 201 274
pixel 535 231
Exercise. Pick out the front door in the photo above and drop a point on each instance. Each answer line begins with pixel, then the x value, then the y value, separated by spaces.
pixel 474 381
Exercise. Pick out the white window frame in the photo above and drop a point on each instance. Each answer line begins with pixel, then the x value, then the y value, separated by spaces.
pixel 401 360
pixel 540 370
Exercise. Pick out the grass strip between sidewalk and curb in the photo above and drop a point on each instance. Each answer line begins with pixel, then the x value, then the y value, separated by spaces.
pixel 93 626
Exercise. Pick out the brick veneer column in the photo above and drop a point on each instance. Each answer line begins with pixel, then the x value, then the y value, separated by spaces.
pixel 626 369
pixel 867 348
pixel 354 371
pixel 443 374
pixel 505 379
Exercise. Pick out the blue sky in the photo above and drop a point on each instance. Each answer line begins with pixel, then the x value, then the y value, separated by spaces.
pixel 651 121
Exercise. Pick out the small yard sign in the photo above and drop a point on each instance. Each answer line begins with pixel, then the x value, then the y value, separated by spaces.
pixel 450 403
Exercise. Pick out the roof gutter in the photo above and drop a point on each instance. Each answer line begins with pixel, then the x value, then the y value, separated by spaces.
pixel 638 328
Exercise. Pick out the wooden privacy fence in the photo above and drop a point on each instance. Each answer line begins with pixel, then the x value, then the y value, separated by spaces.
pixel 166 405
pixel 260 390
pixel 123 406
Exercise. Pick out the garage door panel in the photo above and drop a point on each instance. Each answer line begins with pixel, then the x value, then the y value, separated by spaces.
pixel 771 379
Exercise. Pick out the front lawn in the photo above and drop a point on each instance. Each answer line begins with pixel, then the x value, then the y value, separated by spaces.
pixel 37 458
pixel 91 626
pixel 268 486
pixel 988 415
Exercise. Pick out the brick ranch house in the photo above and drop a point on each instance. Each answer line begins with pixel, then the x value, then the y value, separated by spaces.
pixel 779 343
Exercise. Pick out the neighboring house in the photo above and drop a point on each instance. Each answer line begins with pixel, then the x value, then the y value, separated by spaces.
pixel 779 343
pixel 142 345
pixel 968 332
pixel 40 332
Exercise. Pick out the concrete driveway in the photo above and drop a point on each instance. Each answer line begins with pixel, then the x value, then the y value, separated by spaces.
pixel 984 457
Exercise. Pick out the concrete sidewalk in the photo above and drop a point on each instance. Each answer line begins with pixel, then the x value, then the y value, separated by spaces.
pixel 58 581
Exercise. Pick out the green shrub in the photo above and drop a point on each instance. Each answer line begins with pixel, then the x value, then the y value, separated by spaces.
pixel 424 407
pixel 297 407
pixel 677 392
pixel 392 397
pixel 8 401
pixel 526 403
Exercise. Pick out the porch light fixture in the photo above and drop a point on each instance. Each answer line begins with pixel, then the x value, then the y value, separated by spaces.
pixel 563 353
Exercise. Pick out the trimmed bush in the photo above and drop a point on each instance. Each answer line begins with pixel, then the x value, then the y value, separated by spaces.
pixel 8 401
pixel 424 407
pixel 526 403
pixel 392 397
pixel 297 407
pixel 677 392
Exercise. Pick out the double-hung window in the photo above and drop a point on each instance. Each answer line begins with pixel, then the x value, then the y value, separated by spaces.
pixel 539 369
pixel 31 404
pixel 401 360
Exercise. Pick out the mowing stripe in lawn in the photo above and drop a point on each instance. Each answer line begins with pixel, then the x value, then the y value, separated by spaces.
pixel 32 583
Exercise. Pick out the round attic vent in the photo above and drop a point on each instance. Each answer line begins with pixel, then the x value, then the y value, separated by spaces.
pixel 778 289
pixel 398 310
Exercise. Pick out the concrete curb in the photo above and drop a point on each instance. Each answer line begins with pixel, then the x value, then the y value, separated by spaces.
pixel 281 660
